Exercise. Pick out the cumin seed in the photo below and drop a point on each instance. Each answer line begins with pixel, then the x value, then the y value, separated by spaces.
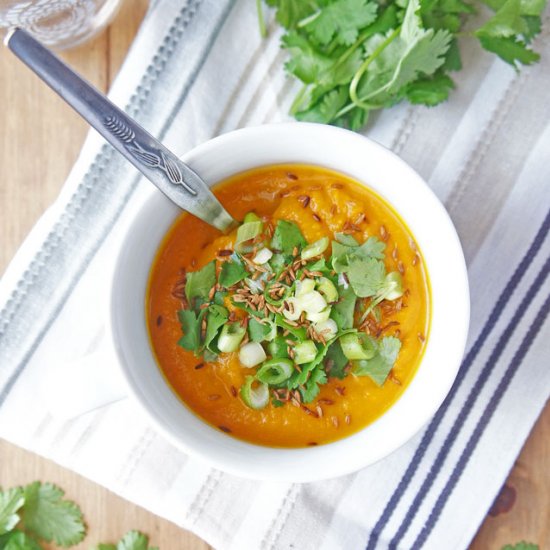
pixel 348 419
pixel 225 429
pixel 325 401
pixel 214 397
pixel 415 260
pixel 335 421
pixel 319 411
pixel 337 186
pixel 383 233
pixel 159 320
pixel 316 217
pixel 291 176
pixel 304 200
pixel 340 390
pixel 199 366
pixel 401 268
pixel 225 252
pixel 421 337
pixel 394 253
pixel 233 391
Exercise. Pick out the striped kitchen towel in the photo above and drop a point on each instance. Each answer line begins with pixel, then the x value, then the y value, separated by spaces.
pixel 198 68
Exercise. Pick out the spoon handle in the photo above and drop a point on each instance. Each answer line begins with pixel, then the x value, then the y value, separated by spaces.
pixel 172 176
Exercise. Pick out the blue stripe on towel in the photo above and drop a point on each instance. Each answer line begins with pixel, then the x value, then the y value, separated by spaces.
pixel 494 316
pixel 468 405
pixel 486 416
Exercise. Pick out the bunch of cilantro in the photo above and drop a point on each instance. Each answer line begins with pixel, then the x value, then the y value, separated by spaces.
pixel 356 56
pixel 37 513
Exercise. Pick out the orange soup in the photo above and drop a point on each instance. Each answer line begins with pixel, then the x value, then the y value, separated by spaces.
pixel 303 325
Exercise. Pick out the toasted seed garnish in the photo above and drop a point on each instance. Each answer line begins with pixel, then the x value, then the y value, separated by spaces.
pixel 337 186
pixel 325 401
pixel 193 262
pixel 383 233
pixel 211 293
pixel 394 253
pixel 421 337
pixel 412 244
pixel 225 252
pixel 312 444
pixel 291 176
pixel 316 217
pixel 233 391
pixel 415 260
pixel 319 411
pixel 394 378
pixel 159 320
pixel 340 390
pixel 335 421
pixel 225 429
pixel 199 366
pixel 348 419
pixel 401 267
pixel 294 402
pixel 304 200
pixel 214 397
pixel 333 210
pixel 359 219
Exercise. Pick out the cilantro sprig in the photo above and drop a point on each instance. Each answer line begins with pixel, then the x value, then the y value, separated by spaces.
pixel 297 313
pixel 357 56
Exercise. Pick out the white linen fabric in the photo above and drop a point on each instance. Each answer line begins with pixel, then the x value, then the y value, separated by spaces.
pixel 199 68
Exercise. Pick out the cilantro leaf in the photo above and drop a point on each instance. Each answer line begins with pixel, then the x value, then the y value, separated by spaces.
pixel 18 540
pixel 216 317
pixel 133 540
pixel 381 364
pixel 511 50
pixel 430 91
pixel 373 247
pixel 199 283
pixel 258 331
pixel 366 275
pixel 341 19
pixel 51 518
pixel 286 237
pixel 507 21
pixel 190 326
pixel 290 12
pixel 11 501
pixel 342 310
pixel 232 272
pixel 521 546
pixel 311 390
pixel 337 360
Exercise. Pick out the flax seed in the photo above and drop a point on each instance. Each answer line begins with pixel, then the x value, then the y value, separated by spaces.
pixel 199 366
pixel 304 200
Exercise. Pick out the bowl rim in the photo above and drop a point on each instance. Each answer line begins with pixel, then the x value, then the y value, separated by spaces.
pixel 229 460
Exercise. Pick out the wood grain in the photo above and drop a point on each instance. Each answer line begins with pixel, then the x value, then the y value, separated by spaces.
pixel 41 138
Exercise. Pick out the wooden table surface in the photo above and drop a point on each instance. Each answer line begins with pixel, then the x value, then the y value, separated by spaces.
pixel 41 138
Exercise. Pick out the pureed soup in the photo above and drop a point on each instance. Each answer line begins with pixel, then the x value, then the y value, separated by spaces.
pixel 303 325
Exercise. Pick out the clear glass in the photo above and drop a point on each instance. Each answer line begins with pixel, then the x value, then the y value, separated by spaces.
pixel 58 23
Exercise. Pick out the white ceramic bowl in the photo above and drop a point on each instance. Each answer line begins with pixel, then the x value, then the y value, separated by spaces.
pixel 394 180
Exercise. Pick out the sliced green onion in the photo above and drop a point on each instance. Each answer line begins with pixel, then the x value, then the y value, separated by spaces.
pixel 311 302
pixel 304 352
pixel 314 249
pixel 230 337
pixel 256 397
pixel 246 232
pixel 327 289
pixel 275 371
pixel 319 317
pixel 263 256
pixel 252 354
pixel 327 329
pixel 256 286
pixel 278 347
pixel 251 217
pixel 394 286
pixel 303 287
pixel 293 312
pixel 357 346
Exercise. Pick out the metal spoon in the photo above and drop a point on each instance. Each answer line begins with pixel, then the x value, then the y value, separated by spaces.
pixel 172 176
